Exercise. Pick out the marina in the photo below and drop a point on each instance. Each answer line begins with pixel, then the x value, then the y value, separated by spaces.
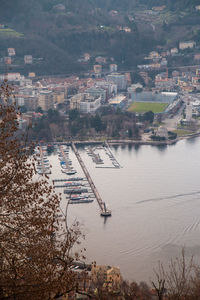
pixel 172 220
pixel 103 209
pixel 143 194
pixel 83 185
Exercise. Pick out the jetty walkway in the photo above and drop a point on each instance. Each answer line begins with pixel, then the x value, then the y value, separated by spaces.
pixel 43 168
pixel 116 163
pixel 104 211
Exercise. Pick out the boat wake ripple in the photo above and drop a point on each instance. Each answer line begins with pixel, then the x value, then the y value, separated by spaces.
pixel 151 248
pixel 168 197
pixel 192 226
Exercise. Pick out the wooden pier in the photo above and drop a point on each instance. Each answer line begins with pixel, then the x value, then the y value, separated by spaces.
pixel 64 156
pixel 117 165
pixel 43 168
pixel 69 179
pixel 104 211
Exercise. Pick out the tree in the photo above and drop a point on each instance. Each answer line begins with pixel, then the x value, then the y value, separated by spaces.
pixel 35 244
pixel 97 124
pixel 148 116
pixel 73 114
pixel 138 90
pixel 39 110
pixel 178 281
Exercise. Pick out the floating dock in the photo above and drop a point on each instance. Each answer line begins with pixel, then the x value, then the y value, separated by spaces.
pixel 64 156
pixel 114 161
pixel 44 169
pixel 69 179
pixel 104 211
pixel 75 191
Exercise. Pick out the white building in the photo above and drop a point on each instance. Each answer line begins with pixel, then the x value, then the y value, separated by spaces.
pixel 28 59
pixel 110 87
pixel 118 79
pixel 113 68
pixel 188 112
pixel 174 51
pixel 133 88
pixel 186 45
pixel 89 104
pixel 97 92
pixel 11 52
pixel 162 132
pixel 11 76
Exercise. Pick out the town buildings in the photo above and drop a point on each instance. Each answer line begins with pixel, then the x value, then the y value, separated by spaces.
pixel 110 276
pixel 113 68
pixel 119 80
pixel 97 69
pixel 45 100
pixel 85 103
pixel 97 92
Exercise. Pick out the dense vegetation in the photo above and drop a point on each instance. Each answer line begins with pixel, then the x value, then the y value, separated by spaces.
pixel 109 123
pixel 60 37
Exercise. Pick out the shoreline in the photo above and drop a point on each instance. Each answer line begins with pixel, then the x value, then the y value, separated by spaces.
pixel 133 142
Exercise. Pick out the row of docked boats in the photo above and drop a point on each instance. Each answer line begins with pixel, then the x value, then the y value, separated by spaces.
pixel 95 156
pixel 42 161
pixel 65 162
pixel 76 191
pixel 112 158
pixel 77 199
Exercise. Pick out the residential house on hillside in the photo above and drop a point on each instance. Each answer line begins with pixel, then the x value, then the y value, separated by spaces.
pixel 101 60
pixel 59 7
pixel 187 45
pixel 11 52
pixel 28 59
pixel 174 51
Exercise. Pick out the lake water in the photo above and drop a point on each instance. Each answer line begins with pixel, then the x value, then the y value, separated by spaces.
pixel 155 203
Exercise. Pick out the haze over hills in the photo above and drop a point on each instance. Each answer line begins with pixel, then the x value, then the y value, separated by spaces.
pixel 60 31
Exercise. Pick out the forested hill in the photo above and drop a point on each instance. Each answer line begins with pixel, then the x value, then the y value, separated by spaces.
pixel 60 31
pixel 10 8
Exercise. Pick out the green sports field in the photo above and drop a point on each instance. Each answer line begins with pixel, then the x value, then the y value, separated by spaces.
pixel 7 32
pixel 141 107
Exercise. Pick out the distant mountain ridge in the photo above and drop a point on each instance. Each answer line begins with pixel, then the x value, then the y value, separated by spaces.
pixel 12 8
pixel 61 34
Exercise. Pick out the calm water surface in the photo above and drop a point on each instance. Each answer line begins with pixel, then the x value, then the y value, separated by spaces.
pixel 155 203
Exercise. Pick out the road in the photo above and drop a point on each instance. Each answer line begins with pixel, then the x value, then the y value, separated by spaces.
pixel 171 124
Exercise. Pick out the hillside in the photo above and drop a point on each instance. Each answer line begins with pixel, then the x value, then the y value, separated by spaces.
pixel 58 32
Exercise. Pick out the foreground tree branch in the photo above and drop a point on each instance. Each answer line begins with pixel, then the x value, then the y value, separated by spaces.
pixel 35 248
